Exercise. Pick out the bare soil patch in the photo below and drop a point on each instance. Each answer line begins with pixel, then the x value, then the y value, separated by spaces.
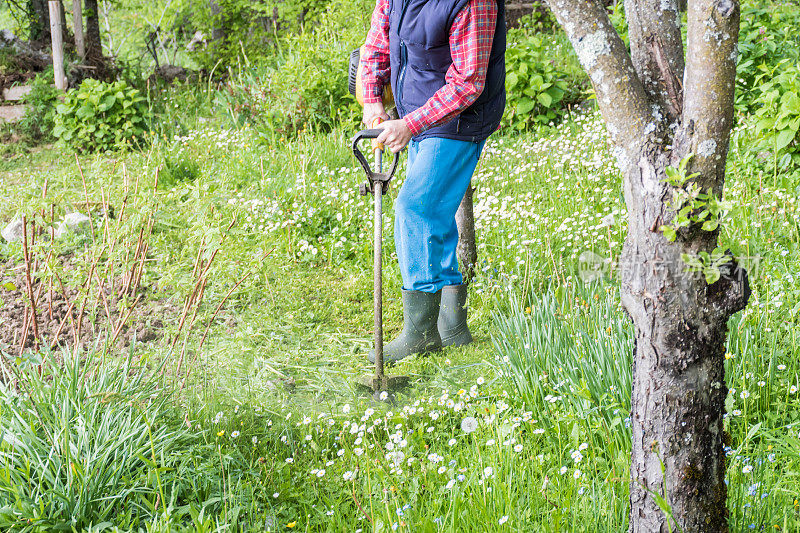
pixel 66 316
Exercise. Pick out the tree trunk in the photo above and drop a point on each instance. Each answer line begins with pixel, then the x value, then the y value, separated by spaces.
pixel 39 32
pixel 77 24
pixel 94 46
pixel 466 251
pixel 40 24
pixel 657 113
pixel 57 45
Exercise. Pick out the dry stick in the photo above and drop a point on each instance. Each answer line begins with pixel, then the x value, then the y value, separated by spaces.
pixel 38 293
pixel 104 203
pixel 143 255
pixel 191 324
pixel 196 303
pixel 149 233
pixel 101 291
pixel 85 300
pixel 200 272
pixel 122 321
pixel 129 276
pixel 136 254
pixel 199 284
pixel 72 304
pixel 25 327
pixel 196 300
pixel 54 342
pixel 187 301
pixel 136 184
pixel 111 278
pixel 27 259
pixel 50 278
pixel 216 312
pixel 86 195
pixel 358 504
pixel 137 282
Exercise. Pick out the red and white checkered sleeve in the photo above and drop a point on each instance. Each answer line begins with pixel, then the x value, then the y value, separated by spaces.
pixel 471 37
pixel 375 54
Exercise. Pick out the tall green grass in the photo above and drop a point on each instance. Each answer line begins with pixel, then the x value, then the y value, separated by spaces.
pixel 570 347
pixel 83 442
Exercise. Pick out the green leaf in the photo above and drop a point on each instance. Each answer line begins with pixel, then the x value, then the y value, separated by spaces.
pixel 764 124
pixel 511 80
pixel 107 103
pixel 783 139
pixel 556 93
pixel 710 225
pixel 669 233
pixel 712 274
pixel 525 106
pixel 545 99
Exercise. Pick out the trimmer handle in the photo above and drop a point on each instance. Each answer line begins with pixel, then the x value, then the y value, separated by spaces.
pixel 373 177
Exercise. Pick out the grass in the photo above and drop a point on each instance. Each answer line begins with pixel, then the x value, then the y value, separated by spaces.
pixel 278 434
pixel 526 429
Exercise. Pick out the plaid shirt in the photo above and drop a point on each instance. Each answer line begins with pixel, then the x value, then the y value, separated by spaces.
pixel 471 37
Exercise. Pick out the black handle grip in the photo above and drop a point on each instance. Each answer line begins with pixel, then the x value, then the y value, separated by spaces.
pixel 373 176
pixel 367 134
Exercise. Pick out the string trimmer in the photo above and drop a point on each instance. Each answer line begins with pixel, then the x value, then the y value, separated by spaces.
pixel 377 184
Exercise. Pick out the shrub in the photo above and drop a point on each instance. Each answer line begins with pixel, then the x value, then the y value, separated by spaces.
pixel 243 26
pixel 538 88
pixel 101 116
pixel 763 43
pixel 39 118
pixel 779 112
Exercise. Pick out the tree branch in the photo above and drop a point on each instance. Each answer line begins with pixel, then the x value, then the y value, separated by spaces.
pixel 713 33
pixel 620 94
pixel 657 51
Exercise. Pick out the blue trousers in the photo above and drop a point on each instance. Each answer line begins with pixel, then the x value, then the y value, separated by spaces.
pixel 425 232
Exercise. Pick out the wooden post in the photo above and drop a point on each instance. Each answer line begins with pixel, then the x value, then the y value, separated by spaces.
pixel 77 22
pixel 58 44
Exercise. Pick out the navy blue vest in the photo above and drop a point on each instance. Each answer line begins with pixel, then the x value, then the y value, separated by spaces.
pixel 420 56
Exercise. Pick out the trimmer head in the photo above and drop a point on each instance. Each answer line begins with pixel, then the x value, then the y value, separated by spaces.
pixel 387 383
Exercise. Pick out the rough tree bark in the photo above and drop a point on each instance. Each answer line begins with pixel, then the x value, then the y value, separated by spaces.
pixel 94 46
pixel 466 251
pixel 657 112
pixel 39 31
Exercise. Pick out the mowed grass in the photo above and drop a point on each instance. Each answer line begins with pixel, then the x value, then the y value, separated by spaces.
pixel 525 429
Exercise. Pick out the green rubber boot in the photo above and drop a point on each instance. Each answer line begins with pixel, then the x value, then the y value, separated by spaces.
pixel 453 316
pixel 420 333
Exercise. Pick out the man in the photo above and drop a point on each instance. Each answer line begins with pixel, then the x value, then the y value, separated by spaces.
pixel 445 60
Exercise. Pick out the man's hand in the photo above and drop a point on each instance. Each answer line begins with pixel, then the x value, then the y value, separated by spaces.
pixel 373 111
pixel 395 135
